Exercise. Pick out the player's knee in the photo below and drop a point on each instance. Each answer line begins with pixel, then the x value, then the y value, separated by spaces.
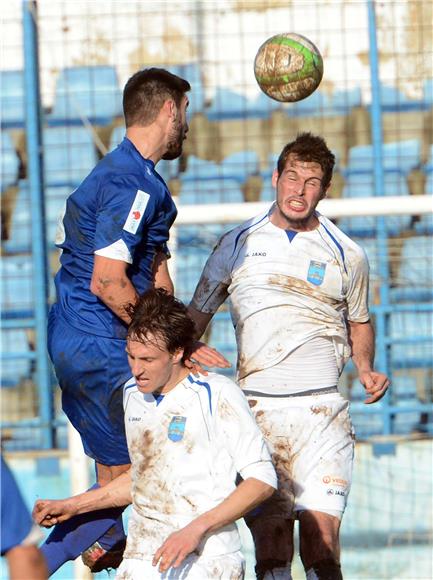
pixel 328 569
pixel 273 570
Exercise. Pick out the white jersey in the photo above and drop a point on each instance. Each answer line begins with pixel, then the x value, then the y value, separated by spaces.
pixel 285 289
pixel 185 453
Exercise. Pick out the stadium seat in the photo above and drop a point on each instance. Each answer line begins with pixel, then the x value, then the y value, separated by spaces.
pixel 321 104
pixel 20 233
pixel 69 155
pixel 362 185
pixel 240 165
pixel 89 93
pixel 10 162
pixel 201 191
pixel 12 104
pixel 415 274
pixel 16 363
pixel 394 100
pixel 427 91
pixel 189 265
pixel 413 331
pixel 402 156
pixel 425 224
pixel 192 73
pixel 17 299
pixel 227 104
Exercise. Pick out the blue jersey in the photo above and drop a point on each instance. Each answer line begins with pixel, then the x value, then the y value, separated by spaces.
pixel 122 210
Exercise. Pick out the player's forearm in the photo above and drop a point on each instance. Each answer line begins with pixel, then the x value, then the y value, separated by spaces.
pixel 201 320
pixel 249 494
pixel 116 293
pixel 361 337
pixel 117 493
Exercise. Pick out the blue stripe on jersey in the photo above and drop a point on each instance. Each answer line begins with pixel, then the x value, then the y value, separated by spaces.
pixel 206 386
pixel 246 229
pixel 158 398
pixel 290 234
pixel 130 386
pixel 337 243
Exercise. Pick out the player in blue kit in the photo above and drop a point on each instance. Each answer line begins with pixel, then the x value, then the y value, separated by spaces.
pixel 113 241
pixel 18 533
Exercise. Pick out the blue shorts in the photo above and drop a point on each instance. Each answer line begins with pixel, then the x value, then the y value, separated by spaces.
pixel 91 371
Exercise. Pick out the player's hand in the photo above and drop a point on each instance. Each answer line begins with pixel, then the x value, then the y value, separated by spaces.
pixel 49 512
pixel 177 547
pixel 375 385
pixel 205 355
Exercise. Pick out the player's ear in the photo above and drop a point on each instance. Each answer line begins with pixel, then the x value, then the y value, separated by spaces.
pixel 274 177
pixel 178 356
pixel 325 192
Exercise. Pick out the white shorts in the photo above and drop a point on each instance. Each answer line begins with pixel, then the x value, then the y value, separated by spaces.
pixel 312 441
pixel 193 568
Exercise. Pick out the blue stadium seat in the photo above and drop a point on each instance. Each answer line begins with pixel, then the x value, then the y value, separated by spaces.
pixel 189 265
pixel 192 73
pixel 240 165
pixel 402 156
pixel 17 299
pixel 394 100
pixel 425 223
pixel 415 273
pixel 227 104
pixel 321 104
pixel 20 237
pixel 13 370
pixel 413 330
pixel 86 92
pixel 69 155
pixel 10 162
pixel 362 185
pixel 12 104
pixel 202 191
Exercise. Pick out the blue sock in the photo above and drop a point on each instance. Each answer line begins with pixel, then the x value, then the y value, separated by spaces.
pixel 71 538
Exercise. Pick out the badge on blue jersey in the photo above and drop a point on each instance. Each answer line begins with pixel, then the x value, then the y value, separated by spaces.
pixel 316 272
pixel 176 429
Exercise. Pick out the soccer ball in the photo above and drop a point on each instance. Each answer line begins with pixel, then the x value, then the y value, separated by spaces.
pixel 288 67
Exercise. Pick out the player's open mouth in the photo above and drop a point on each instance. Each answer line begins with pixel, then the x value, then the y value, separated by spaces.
pixel 296 205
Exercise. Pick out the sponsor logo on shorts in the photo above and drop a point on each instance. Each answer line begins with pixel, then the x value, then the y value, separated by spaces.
pixel 331 479
pixel 316 272
pixel 176 429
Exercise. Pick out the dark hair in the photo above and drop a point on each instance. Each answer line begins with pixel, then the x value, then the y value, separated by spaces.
pixel 160 314
pixel 147 90
pixel 308 147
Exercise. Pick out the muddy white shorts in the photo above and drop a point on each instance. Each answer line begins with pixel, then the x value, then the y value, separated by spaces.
pixel 193 568
pixel 311 439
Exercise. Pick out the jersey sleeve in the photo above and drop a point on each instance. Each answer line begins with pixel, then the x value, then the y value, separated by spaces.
pixel 17 527
pixel 357 294
pixel 211 290
pixel 237 428
pixel 124 215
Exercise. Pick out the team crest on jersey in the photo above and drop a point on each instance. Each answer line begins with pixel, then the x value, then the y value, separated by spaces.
pixel 316 272
pixel 136 212
pixel 176 429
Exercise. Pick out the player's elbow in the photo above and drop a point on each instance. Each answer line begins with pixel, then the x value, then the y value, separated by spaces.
pixel 268 491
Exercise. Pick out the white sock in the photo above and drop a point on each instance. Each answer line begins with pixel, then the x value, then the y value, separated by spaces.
pixel 284 573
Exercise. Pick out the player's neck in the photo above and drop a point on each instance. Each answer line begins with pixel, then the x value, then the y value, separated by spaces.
pixel 179 373
pixel 148 141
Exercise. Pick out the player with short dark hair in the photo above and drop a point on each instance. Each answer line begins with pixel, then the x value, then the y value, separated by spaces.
pixel 113 241
pixel 188 436
pixel 298 290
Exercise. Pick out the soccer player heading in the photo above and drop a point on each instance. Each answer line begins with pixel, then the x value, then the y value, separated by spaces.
pixel 113 241
pixel 188 436
pixel 298 290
